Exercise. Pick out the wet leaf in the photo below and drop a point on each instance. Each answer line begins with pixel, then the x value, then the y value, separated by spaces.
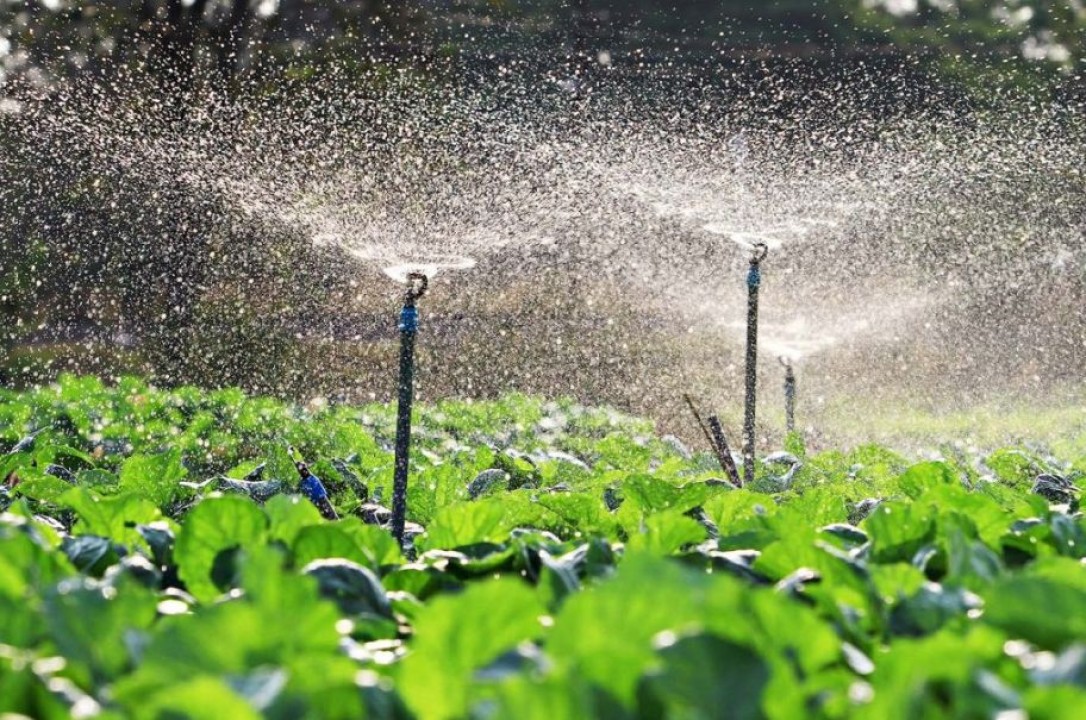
pixel 458 635
pixel 354 588
pixel 215 525
pixel 701 675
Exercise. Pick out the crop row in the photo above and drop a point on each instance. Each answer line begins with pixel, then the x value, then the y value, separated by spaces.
pixel 157 561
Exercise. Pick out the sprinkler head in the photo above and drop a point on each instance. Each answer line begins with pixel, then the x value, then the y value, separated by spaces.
pixel 417 283
pixel 754 275
pixel 760 250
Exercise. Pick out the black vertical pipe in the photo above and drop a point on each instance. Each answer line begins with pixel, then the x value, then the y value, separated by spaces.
pixel 409 325
pixel 789 397
pixel 754 280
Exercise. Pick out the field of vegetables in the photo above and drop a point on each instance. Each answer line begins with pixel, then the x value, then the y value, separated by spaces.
pixel 156 560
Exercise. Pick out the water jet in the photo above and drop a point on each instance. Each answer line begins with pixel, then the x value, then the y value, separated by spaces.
pixel 403 271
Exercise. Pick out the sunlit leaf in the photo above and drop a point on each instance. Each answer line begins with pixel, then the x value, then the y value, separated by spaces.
pixel 215 525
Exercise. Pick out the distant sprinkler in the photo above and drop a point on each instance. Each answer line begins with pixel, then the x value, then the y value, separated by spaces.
pixel 754 280
pixel 789 395
pixel 409 324
pixel 313 489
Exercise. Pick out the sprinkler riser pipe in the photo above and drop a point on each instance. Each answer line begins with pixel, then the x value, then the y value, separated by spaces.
pixel 789 400
pixel 409 323
pixel 754 281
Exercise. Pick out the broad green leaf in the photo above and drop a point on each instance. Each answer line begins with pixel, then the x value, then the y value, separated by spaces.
pixel 844 591
pixel 215 525
pixel 814 506
pixel 28 568
pixel 457 635
pixel 464 524
pixel 38 485
pixel 288 515
pixel 574 514
pixel 279 592
pixel 1059 569
pixel 355 589
pixel 24 692
pixel 331 687
pixel 317 542
pixel 113 517
pixel 201 698
pixel 701 675
pixel 437 487
pixel 376 542
pixel 546 698
pixel 90 554
pixel 421 581
pixel 984 517
pixel 89 623
pixel 898 530
pixel 645 597
pixel 665 533
pixel 1017 468
pixel 895 581
pixel 935 676
pixel 740 517
pixel 620 451
pixel 154 477
pixel 1062 702
pixel 790 634
pixel 922 477
pixel 651 494
pixel 969 562
pixel 279 465
pixel 1043 610
pixel 930 608
pixel 247 636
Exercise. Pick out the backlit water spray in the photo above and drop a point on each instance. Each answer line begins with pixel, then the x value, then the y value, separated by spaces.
pixel 907 242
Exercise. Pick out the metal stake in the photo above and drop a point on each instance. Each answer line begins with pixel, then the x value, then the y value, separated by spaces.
pixel 724 453
pixel 754 279
pixel 409 325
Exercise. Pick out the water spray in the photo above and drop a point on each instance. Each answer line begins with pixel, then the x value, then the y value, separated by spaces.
pixel 754 279
pixel 409 324
pixel 789 395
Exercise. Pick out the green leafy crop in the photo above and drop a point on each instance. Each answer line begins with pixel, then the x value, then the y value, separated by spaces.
pixel 156 560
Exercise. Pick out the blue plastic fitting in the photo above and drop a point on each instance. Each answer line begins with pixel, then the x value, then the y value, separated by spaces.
pixel 754 277
pixel 409 319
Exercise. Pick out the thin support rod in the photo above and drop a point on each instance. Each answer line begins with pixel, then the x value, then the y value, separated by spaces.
pixel 409 325
pixel 701 424
pixel 754 280
pixel 724 453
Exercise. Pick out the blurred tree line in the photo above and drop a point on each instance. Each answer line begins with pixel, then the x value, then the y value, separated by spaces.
pixel 183 42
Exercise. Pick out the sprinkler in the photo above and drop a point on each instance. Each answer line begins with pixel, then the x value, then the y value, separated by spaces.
pixel 409 325
pixel 789 395
pixel 754 279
